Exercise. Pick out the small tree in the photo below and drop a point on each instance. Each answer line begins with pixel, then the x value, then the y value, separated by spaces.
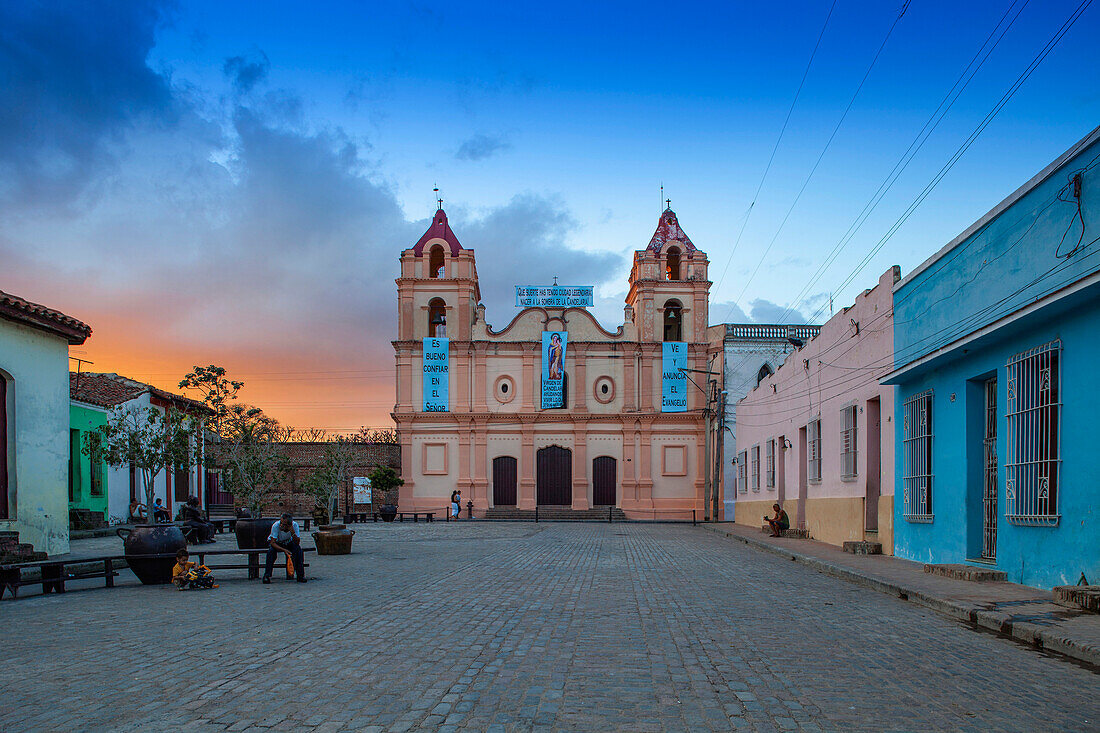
pixel 146 438
pixel 252 456
pixel 247 444
pixel 217 391
pixel 332 473
pixel 386 481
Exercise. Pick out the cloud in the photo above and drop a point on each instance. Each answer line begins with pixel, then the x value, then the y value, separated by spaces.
pixel 73 80
pixel 765 311
pixel 228 229
pixel 760 311
pixel 245 73
pixel 524 243
pixel 480 147
pixel 727 312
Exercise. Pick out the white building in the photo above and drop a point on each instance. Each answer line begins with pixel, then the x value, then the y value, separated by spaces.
pixel 124 484
pixel 751 352
pixel 34 421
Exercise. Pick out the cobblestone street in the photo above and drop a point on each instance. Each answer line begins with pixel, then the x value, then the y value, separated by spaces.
pixel 509 626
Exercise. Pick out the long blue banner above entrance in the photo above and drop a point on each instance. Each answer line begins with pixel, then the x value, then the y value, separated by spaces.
pixel 554 296
pixel 436 368
pixel 553 368
pixel 674 381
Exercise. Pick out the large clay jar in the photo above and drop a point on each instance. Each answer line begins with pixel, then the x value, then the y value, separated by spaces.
pixel 252 533
pixel 144 542
pixel 333 539
pixel 387 512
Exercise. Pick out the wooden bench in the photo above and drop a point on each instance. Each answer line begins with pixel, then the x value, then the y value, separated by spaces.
pixel 54 574
pixel 350 517
pixel 228 524
pixel 253 564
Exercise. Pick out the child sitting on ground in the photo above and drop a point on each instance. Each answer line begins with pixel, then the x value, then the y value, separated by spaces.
pixel 190 575
pixel 179 572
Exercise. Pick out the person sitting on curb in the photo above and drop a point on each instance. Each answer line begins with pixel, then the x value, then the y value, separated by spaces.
pixel 137 512
pixel 285 537
pixel 160 512
pixel 780 522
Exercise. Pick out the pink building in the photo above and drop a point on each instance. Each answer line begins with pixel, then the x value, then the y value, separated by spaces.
pixel 817 436
pixel 477 409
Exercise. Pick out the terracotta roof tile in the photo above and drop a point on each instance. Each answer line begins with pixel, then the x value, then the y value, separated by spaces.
pixel 17 309
pixel 668 230
pixel 109 390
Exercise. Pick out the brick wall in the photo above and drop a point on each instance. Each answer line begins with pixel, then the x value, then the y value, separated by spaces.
pixel 290 497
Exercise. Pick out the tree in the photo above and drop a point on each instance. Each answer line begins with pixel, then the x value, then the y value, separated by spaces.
pixel 248 446
pixel 251 453
pixel 217 392
pixel 146 438
pixel 375 435
pixel 332 473
pixel 386 481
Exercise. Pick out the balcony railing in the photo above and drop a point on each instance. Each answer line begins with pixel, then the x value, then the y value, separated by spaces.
pixel 770 332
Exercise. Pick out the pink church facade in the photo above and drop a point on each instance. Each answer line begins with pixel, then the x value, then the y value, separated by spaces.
pixel 470 410
pixel 817 436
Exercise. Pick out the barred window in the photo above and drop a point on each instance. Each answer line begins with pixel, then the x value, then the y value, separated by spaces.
pixel 1034 411
pixel 813 450
pixel 769 466
pixel 756 468
pixel 742 472
pixel 848 442
pixel 917 459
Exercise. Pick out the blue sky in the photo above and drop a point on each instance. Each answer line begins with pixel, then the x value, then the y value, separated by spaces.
pixel 165 164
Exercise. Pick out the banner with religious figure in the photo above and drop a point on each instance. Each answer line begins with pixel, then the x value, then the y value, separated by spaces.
pixel 674 381
pixel 553 368
pixel 436 367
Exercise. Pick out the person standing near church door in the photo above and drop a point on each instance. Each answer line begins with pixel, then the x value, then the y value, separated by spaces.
pixel 456 503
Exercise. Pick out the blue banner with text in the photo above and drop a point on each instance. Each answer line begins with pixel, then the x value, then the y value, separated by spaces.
pixel 436 367
pixel 674 381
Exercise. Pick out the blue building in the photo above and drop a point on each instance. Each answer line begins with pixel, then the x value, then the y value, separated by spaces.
pixel 997 359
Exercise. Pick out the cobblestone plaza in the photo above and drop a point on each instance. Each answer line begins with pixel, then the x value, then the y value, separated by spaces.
pixel 513 626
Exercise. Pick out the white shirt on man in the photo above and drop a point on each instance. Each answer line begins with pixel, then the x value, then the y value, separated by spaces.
pixel 281 535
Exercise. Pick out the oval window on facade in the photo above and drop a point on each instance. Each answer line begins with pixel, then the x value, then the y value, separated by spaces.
pixel 504 389
pixel 604 389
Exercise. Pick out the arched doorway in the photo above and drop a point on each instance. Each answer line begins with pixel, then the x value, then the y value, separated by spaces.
pixel 604 481
pixel 554 476
pixel 504 481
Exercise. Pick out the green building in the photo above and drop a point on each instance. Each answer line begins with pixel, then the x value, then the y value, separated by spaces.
pixel 87 478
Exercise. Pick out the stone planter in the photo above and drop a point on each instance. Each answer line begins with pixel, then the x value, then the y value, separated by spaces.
pixel 152 539
pixel 388 512
pixel 252 533
pixel 333 539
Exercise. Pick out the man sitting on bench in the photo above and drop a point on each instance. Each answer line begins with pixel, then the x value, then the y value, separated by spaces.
pixel 285 537
pixel 780 522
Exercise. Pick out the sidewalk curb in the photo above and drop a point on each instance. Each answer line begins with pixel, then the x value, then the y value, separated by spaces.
pixel 995 621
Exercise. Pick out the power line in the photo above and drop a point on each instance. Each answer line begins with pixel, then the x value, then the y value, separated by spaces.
pixel 1024 76
pixel 775 147
pixel 930 125
pixel 821 155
